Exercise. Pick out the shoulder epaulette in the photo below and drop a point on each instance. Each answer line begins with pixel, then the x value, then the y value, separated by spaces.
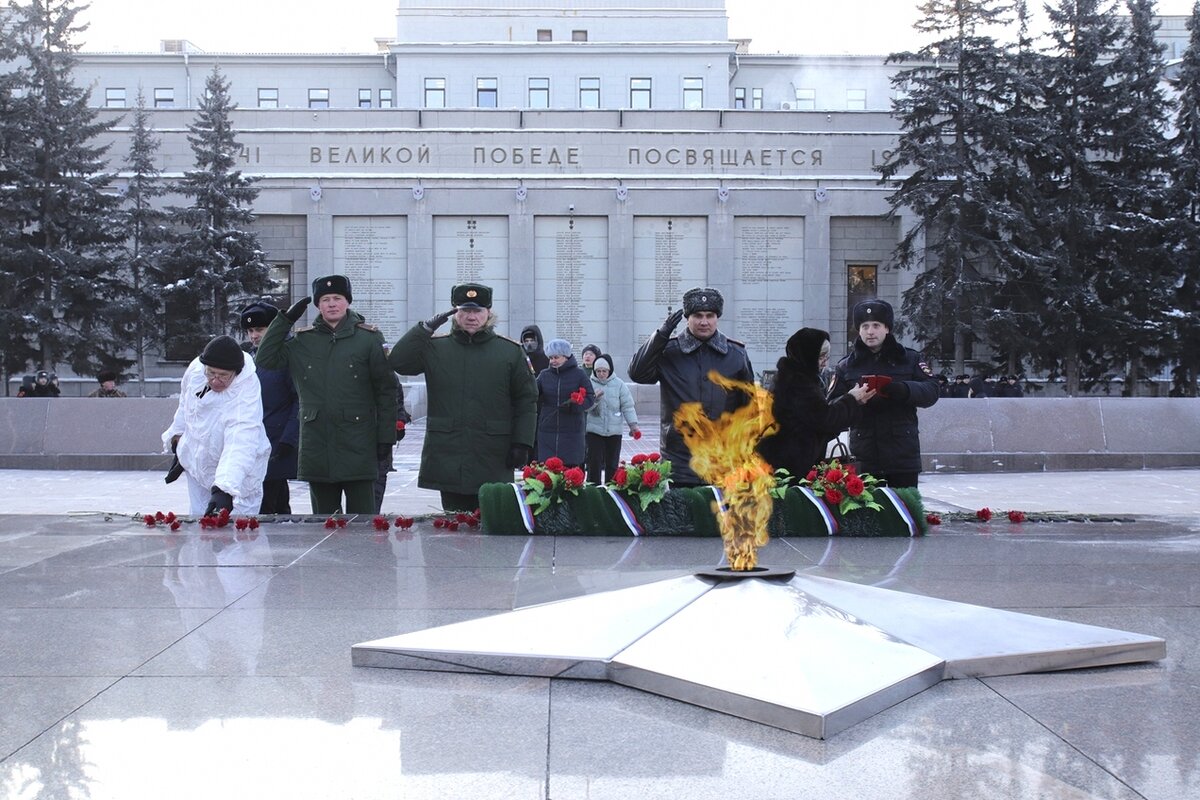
pixel 366 326
pixel 305 329
pixel 735 341
pixel 509 339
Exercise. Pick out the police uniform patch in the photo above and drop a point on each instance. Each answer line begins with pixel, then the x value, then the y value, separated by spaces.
pixel 925 368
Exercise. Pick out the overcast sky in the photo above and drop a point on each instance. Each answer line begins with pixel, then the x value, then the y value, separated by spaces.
pixel 776 26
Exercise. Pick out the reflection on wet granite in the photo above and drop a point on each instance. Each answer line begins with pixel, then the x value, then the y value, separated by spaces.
pixel 135 664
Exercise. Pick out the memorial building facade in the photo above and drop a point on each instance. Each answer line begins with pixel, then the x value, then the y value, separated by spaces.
pixel 590 164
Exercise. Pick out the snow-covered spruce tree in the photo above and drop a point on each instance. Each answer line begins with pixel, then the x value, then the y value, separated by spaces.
pixel 1136 285
pixel 1073 189
pixel 146 233
pixel 213 260
pixel 59 233
pixel 1182 335
pixel 951 111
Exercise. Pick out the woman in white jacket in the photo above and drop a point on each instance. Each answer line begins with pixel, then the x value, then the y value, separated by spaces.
pixel 218 433
pixel 614 405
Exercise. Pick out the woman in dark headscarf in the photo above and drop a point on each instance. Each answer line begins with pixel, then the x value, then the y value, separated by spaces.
pixel 807 421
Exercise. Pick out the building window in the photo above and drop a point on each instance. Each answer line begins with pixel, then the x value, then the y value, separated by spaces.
pixel 544 35
pixel 318 98
pixel 862 283
pixel 435 92
pixel 114 98
pixel 578 36
pixel 756 98
pixel 639 93
pixel 806 99
pixel 487 92
pixel 856 99
pixel 739 97
pixel 693 92
pixel 279 276
pixel 268 98
pixel 364 98
pixel 164 98
pixel 589 92
pixel 539 92
pixel 386 98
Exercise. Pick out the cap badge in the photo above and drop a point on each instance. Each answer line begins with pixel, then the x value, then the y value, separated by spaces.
pixel 329 283
pixel 472 293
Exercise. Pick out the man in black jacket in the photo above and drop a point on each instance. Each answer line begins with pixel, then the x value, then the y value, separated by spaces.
pixel 886 441
pixel 680 366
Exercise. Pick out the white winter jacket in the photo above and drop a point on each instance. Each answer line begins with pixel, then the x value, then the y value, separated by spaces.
pixel 223 442
pixel 616 405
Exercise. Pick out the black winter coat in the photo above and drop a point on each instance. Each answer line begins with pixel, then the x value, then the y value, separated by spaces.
pixel 887 439
pixel 562 422
pixel 680 366
pixel 281 418
pixel 807 421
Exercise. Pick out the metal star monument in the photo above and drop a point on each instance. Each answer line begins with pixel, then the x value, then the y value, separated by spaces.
pixel 807 654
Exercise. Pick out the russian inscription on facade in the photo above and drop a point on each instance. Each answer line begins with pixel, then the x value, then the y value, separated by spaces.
pixel 473 249
pixel 769 274
pixel 571 279
pixel 670 256
pixel 373 253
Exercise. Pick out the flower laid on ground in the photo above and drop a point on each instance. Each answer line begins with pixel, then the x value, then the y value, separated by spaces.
pixel 404 523
pixel 933 519
pixel 984 514
pixel 336 522
pixel 646 477
pixel 549 483
pixel 842 487
pixel 1016 516
pixel 381 523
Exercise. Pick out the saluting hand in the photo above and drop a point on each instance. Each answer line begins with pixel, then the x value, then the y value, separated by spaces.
pixel 672 321
pixel 297 310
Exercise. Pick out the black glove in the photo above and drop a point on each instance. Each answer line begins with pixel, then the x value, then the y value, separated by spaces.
pixel 898 391
pixel 297 310
pixel 672 321
pixel 175 442
pixel 175 471
pixel 383 450
pixel 518 456
pixel 282 450
pixel 220 499
pixel 400 433
pixel 435 322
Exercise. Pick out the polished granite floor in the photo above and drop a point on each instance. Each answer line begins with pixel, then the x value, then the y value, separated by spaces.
pixel 136 663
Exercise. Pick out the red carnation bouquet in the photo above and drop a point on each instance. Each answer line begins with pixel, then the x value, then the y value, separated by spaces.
pixel 549 483
pixel 842 487
pixel 646 478
pixel 579 396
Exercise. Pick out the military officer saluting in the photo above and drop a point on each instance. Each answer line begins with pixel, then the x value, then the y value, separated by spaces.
pixel 482 398
pixel 347 396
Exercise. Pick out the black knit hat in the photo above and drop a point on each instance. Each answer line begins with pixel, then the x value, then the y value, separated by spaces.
pixel 223 352
pixel 874 311
pixel 331 284
pixel 106 375
pixel 257 315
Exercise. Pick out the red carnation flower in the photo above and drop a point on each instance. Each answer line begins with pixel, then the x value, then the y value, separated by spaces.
pixel 331 523
pixel 254 523
pixel 399 425
pixel 573 477
pixel 381 523
pixel 654 458
pixel 578 396
pixel 160 516
pixel 620 476
pixel 438 522
pixel 833 475
pixel 833 495
pixel 854 486
pixel 461 517
pixel 528 472
pixel 341 523
pixel 242 523
pixel 170 517
pixel 546 480
pixel 404 522
pixel 933 519
pixel 149 520
pixel 452 526
pixel 984 514
pixel 850 470
pixel 638 458
pixel 554 464
pixel 812 475
pixel 176 524
pixel 1016 516
pixel 637 434
pixel 650 479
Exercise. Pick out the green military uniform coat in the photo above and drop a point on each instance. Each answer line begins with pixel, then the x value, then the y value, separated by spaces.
pixel 482 400
pixel 347 395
